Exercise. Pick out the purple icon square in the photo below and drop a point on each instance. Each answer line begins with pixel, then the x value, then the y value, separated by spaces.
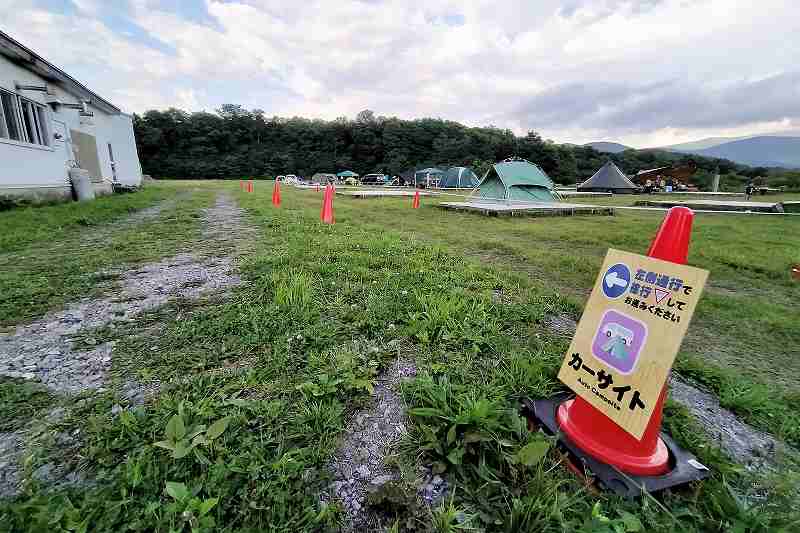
pixel 619 341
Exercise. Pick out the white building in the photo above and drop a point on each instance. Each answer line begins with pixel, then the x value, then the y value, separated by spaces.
pixel 50 123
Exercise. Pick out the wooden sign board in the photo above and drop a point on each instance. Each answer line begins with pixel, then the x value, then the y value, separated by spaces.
pixel 629 335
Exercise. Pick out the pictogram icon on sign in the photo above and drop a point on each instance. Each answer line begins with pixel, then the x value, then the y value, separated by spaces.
pixel 619 341
pixel 616 280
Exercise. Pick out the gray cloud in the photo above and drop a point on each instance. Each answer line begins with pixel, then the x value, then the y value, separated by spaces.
pixel 628 107
pixel 621 69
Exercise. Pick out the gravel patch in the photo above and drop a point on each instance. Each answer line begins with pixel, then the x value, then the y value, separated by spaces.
pixel 358 466
pixel 752 448
pixel 561 325
pixel 12 447
pixel 45 350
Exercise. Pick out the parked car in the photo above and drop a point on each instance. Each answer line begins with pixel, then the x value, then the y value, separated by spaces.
pixel 280 178
pixel 374 179
pixel 351 181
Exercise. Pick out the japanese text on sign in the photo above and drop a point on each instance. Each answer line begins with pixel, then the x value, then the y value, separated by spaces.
pixel 629 334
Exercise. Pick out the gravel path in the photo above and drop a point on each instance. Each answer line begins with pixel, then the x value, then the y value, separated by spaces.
pixel 45 351
pixel 358 465
pixel 754 449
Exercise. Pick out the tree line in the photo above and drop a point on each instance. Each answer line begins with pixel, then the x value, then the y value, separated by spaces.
pixel 235 143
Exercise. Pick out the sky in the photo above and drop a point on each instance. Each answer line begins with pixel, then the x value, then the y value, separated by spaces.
pixel 641 72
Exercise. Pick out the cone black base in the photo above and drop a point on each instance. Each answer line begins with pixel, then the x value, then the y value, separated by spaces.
pixel 684 467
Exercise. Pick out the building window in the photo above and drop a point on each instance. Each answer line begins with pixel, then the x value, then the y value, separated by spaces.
pixel 23 120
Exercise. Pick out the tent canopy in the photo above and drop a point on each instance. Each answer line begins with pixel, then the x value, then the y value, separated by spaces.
pixel 430 170
pixel 429 176
pixel 459 178
pixel 516 180
pixel 608 179
pixel 347 174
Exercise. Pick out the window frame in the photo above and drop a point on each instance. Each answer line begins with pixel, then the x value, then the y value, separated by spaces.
pixel 31 121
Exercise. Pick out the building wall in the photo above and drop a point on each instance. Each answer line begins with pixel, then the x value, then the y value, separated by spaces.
pixel 28 167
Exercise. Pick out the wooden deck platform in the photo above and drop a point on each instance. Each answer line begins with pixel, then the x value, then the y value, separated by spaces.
pixel 582 194
pixel 716 205
pixel 384 193
pixel 532 209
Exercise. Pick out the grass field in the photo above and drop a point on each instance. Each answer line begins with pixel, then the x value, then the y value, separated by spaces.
pixel 276 367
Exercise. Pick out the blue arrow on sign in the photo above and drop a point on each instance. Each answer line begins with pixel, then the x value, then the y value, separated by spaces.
pixel 616 280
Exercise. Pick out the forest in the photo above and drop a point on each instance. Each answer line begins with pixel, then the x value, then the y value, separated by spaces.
pixel 235 143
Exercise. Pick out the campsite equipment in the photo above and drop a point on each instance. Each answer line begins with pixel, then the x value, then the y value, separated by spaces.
pixel 609 178
pixel 276 194
pixel 346 174
pixel 515 180
pixel 428 177
pixel 459 178
pixel 415 202
pixel 326 215
pixel 621 462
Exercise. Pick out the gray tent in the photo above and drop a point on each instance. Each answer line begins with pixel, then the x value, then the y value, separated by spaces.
pixel 609 179
pixel 459 178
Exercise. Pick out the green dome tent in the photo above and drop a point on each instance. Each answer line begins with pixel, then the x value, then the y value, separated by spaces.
pixel 609 179
pixel 515 180
pixel 458 178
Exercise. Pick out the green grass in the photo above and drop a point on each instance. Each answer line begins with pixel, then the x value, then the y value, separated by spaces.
pixel 283 360
pixel 21 401
pixel 57 254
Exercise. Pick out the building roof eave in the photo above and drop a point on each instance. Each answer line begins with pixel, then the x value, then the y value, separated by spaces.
pixel 30 60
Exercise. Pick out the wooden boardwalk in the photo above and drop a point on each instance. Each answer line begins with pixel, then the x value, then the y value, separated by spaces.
pixel 528 209
pixel 716 205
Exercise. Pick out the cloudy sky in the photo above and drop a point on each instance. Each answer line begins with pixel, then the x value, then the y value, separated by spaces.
pixel 642 72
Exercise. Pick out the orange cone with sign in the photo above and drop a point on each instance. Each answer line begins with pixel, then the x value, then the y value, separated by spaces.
pixel 276 194
pixel 326 216
pixel 415 203
pixel 593 431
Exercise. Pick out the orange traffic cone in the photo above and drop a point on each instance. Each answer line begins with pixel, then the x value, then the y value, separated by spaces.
pixel 594 432
pixel 327 206
pixel 276 194
pixel 415 203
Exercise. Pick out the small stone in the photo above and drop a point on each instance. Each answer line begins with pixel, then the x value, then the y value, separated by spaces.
pixel 91 341
pixel 381 480
pixel 363 471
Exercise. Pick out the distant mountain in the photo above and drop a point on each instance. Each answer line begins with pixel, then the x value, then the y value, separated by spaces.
pixel 608 147
pixel 702 144
pixel 762 151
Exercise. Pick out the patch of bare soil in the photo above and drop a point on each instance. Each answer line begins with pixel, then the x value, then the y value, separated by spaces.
pixel 45 350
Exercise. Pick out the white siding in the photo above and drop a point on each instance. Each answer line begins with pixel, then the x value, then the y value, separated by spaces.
pixel 32 166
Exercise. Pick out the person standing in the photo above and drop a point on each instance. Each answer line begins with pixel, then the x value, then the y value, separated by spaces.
pixel 748 191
